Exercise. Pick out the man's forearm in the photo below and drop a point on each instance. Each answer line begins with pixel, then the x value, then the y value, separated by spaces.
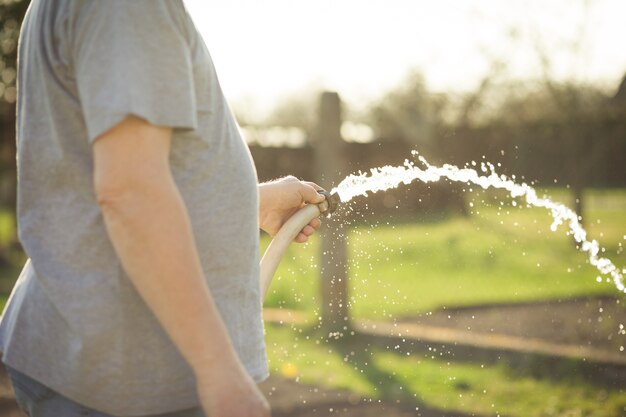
pixel 151 232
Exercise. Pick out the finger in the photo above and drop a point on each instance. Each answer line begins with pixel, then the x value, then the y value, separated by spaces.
pixel 315 223
pixel 301 238
pixel 309 192
pixel 307 230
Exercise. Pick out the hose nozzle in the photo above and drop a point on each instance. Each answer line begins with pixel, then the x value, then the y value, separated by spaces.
pixel 331 203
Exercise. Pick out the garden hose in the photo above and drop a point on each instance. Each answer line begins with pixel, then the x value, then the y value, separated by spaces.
pixel 288 232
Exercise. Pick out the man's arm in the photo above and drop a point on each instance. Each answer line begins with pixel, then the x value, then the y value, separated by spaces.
pixel 149 227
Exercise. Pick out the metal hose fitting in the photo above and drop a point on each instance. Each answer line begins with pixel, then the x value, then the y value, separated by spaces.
pixel 332 200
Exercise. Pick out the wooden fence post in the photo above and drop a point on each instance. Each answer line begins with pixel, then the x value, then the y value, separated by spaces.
pixel 330 169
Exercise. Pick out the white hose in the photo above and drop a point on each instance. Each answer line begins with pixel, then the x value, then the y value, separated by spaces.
pixel 286 235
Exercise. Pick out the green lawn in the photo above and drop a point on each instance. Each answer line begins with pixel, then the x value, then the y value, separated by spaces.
pixel 499 254
pixel 11 261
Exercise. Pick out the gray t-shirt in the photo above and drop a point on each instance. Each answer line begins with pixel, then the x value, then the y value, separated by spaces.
pixel 74 322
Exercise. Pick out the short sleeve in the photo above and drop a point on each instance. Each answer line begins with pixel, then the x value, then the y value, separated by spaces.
pixel 133 57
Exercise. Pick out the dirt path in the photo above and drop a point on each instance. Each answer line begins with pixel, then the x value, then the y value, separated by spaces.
pixel 593 323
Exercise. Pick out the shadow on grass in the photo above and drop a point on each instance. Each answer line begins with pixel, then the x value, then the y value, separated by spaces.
pixel 357 351
pixel 519 364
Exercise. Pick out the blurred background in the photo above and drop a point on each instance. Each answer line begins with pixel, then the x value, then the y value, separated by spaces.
pixel 444 299
pixel 535 86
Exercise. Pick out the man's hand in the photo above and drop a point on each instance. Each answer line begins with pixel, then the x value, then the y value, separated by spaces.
pixel 280 199
pixel 227 390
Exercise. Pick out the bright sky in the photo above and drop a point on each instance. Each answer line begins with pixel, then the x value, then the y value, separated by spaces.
pixel 268 49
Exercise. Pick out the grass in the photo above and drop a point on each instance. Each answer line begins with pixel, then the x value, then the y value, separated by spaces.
pixel 11 261
pixel 499 254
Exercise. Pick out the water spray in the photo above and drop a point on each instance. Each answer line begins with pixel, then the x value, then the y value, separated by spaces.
pixel 384 178
pixel 289 231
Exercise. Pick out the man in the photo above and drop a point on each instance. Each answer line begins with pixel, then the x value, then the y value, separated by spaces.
pixel 139 210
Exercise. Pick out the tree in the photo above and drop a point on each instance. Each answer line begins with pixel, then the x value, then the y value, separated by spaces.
pixel 577 110
pixel 405 113
pixel 620 96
